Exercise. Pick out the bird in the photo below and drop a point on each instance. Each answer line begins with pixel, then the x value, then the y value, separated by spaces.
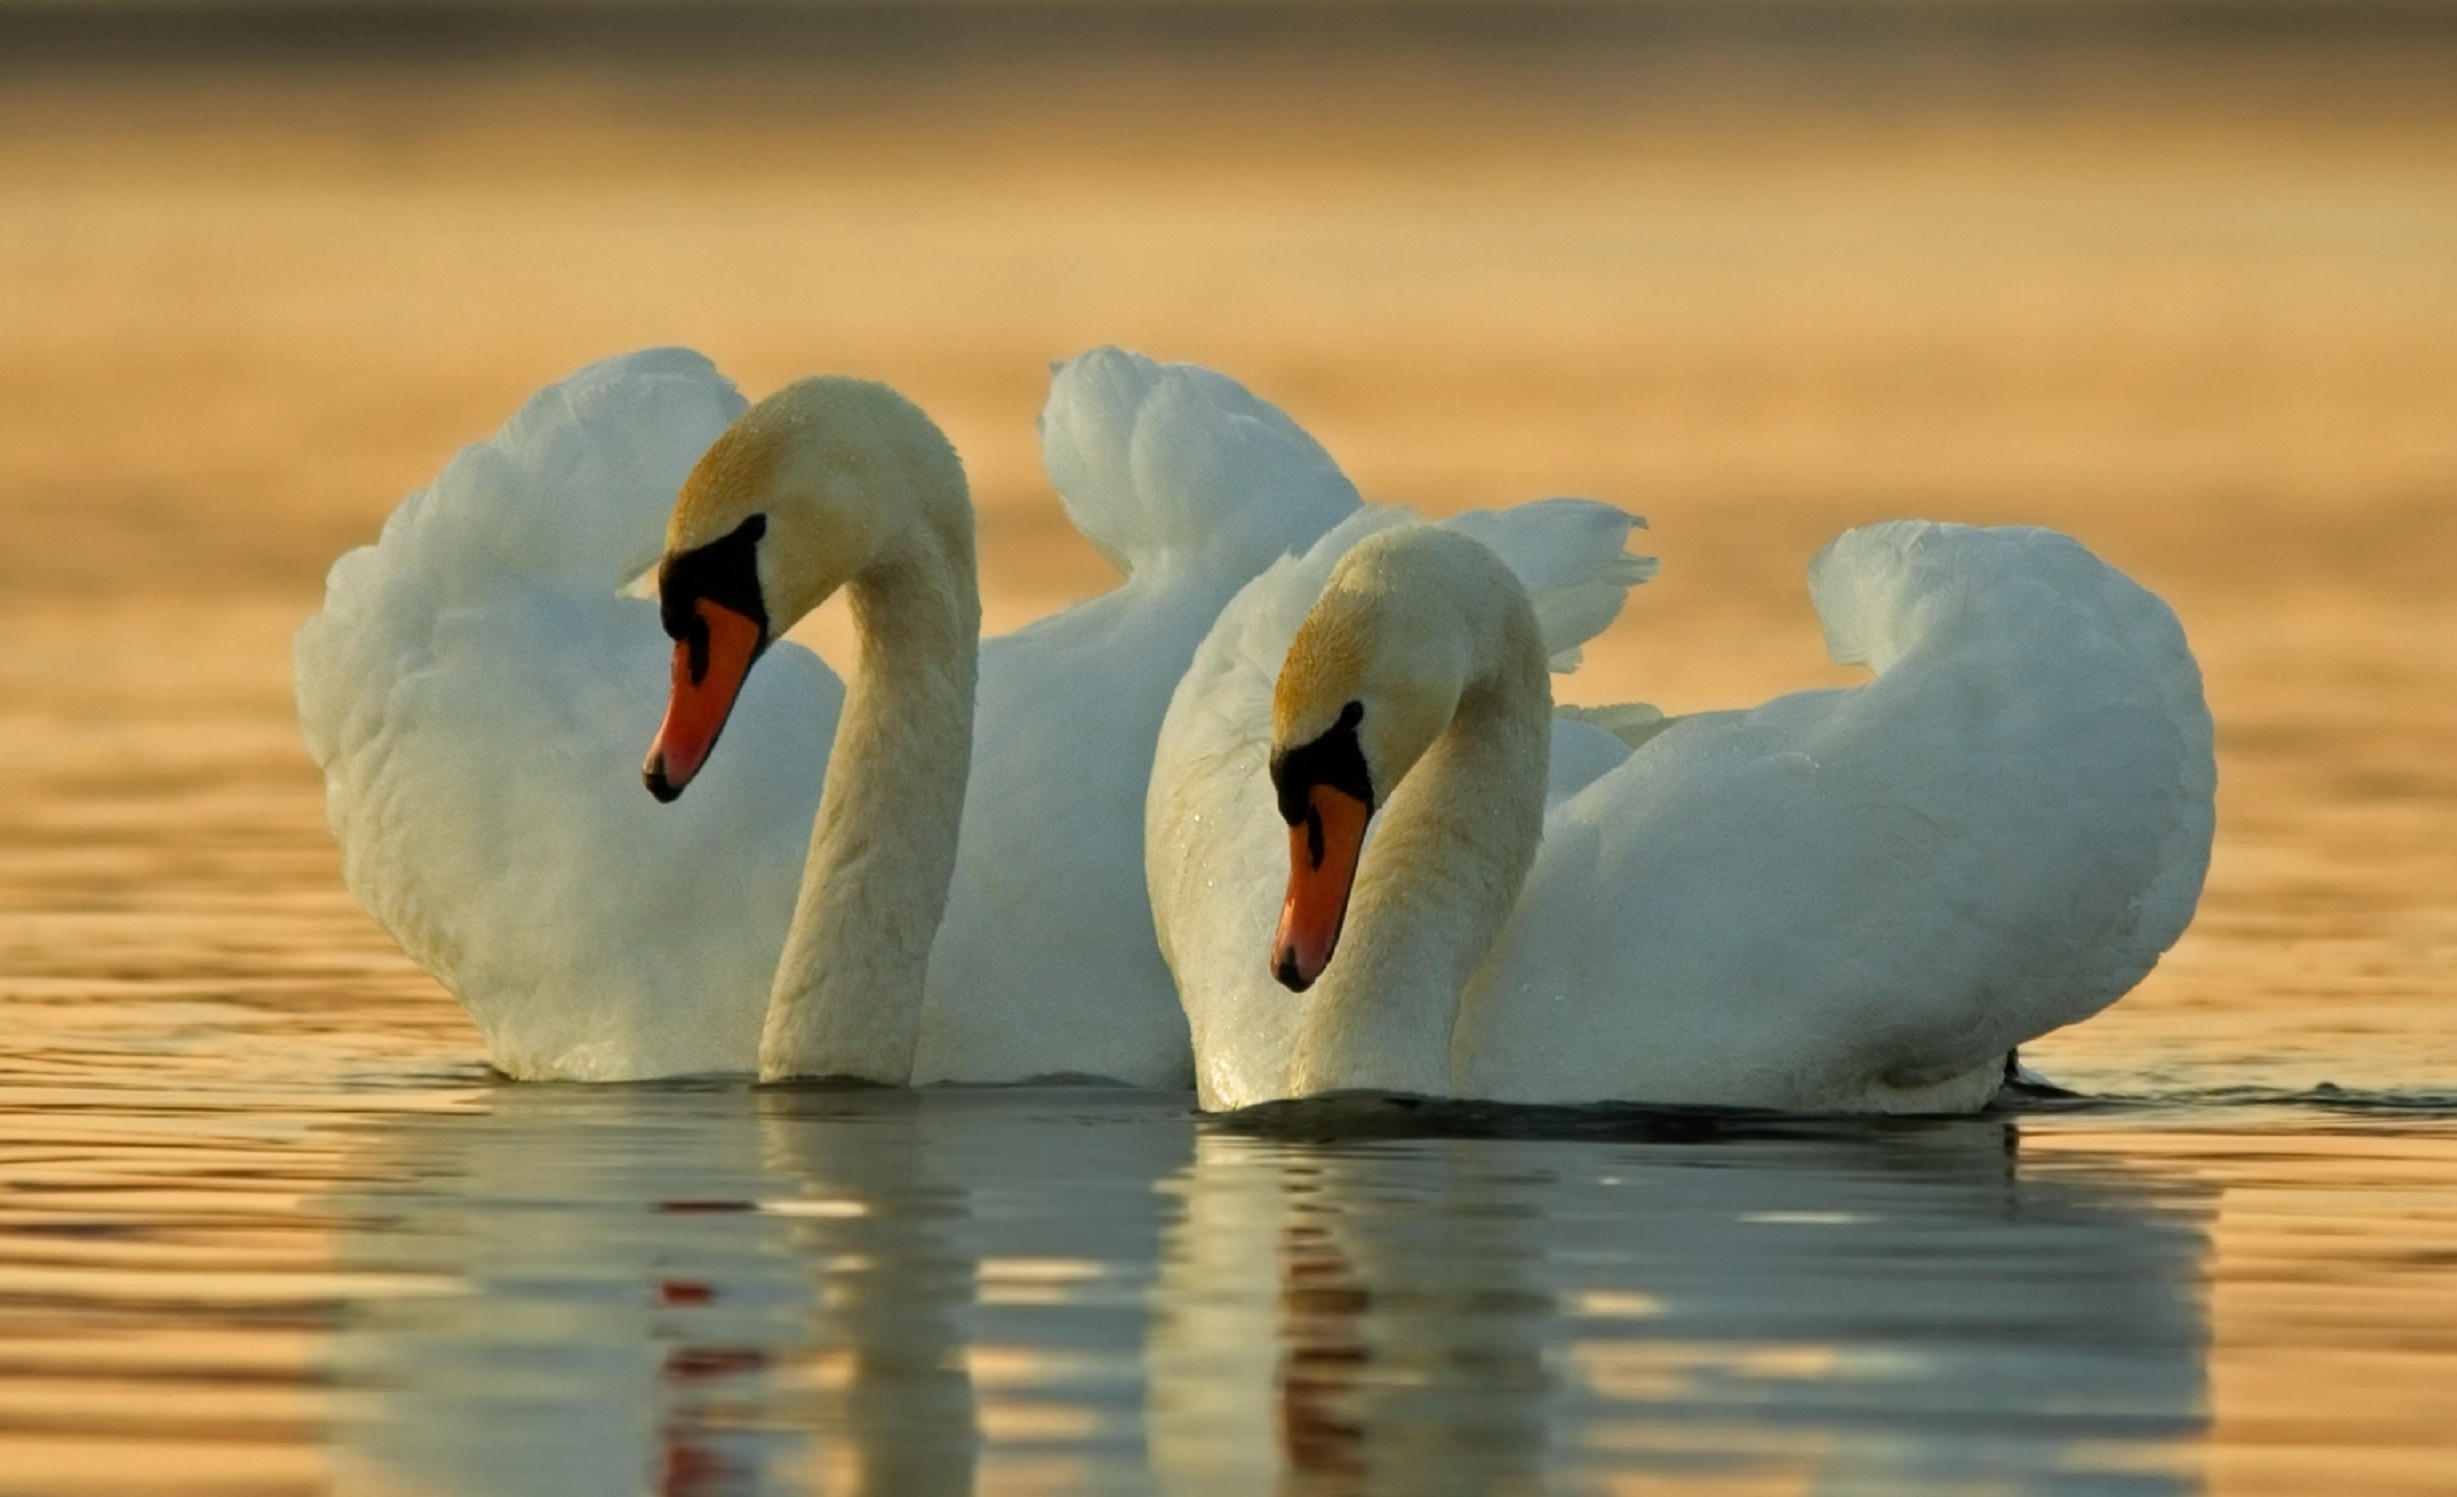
pixel 1368 877
pixel 479 684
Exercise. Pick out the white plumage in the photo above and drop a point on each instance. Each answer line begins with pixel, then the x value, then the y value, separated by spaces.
pixel 1839 900
pixel 1854 899
pixel 1216 849
pixel 480 686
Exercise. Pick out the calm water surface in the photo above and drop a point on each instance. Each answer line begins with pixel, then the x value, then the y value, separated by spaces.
pixel 268 1225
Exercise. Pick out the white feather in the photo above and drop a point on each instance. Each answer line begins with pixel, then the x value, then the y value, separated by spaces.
pixel 479 690
pixel 1842 900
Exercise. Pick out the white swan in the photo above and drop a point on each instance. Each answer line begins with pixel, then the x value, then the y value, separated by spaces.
pixel 480 684
pixel 838 483
pixel 1846 900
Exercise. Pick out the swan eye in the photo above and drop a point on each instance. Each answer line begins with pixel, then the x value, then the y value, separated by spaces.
pixel 1336 759
pixel 724 572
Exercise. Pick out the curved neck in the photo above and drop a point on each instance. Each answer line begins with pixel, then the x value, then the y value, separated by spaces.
pixel 1438 880
pixel 848 991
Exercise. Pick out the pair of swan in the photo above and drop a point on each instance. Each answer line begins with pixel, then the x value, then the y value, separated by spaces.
pixel 1845 900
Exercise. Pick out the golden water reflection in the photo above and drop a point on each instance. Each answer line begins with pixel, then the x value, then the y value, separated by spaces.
pixel 719 1290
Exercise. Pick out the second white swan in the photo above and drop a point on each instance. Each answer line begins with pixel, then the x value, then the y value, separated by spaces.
pixel 1849 900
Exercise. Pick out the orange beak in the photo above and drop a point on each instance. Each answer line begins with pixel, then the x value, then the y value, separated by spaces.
pixel 708 675
pixel 1322 858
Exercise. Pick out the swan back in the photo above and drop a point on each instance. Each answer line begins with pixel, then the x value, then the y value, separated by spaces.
pixel 1170 465
pixel 1860 899
pixel 1569 554
pixel 1875 587
pixel 476 689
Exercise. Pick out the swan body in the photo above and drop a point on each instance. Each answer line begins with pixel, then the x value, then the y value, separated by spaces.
pixel 1046 963
pixel 480 682
pixel 1843 900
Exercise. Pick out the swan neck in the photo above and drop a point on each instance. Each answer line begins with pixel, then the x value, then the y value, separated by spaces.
pixel 1438 879
pixel 848 993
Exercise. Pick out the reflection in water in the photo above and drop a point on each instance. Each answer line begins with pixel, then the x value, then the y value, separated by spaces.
pixel 1895 1310
pixel 698 1292
pixel 1412 1353
pixel 719 1291
pixel 618 1283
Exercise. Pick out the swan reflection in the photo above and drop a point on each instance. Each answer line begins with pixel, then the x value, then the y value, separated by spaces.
pixel 732 1291
pixel 1899 1309
pixel 728 1291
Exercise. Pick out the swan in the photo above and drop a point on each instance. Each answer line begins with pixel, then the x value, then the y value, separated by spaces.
pixel 1849 900
pixel 479 685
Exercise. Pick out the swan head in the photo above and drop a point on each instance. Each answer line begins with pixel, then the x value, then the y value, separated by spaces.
pixel 809 489
pixel 1375 675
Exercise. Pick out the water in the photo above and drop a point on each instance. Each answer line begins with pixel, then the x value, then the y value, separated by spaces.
pixel 268 1225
